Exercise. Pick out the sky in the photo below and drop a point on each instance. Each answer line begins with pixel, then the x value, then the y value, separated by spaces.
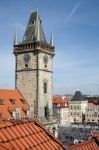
pixel 75 24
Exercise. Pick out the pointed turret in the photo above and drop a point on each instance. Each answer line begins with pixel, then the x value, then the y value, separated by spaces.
pixel 16 38
pixel 52 40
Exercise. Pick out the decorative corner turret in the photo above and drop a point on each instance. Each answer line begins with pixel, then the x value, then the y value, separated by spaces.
pixel 52 40
pixel 16 41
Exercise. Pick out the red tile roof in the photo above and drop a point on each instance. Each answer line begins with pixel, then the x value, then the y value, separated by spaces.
pixel 6 96
pixel 93 101
pixel 87 145
pixel 26 135
pixel 59 100
pixel 30 135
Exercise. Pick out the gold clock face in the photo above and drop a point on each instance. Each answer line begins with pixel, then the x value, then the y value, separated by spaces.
pixel 45 59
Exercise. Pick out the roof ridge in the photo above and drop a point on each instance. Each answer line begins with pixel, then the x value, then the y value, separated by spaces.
pixel 50 134
pixel 39 128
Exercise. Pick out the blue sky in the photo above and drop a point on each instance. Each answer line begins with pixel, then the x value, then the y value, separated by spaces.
pixel 75 24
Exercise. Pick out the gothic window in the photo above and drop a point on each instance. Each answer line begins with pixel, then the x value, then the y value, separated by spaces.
pixel 47 113
pixel 45 86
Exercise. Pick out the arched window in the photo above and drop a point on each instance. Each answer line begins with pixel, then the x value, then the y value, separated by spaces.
pixel 47 113
pixel 45 86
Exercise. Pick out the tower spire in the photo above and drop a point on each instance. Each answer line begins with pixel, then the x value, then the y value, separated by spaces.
pixel 16 38
pixel 52 40
pixel 37 28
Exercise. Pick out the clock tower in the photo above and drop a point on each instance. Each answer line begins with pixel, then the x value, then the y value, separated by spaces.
pixel 34 67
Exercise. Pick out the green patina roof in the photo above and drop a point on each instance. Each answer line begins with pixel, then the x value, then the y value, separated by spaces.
pixel 34 26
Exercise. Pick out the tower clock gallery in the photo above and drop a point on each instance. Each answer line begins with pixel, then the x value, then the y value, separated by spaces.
pixel 34 64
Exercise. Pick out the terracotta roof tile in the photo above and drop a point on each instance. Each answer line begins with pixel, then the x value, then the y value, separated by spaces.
pixel 59 100
pixel 27 135
pixel 30 135
pixel 87 145
pixel 7 106
pixel 5 147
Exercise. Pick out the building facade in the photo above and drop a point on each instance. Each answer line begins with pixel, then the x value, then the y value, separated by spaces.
pixel 61 109
pixel 34 67
pixel 77 108
pixel 92 111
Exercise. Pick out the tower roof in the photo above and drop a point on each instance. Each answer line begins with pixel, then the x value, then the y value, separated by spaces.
pixel 78 96
pixel 34 30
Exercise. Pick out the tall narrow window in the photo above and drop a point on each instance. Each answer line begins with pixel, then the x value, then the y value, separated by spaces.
pixel 45 87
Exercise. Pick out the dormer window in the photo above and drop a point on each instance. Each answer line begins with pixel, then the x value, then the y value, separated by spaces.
pixel 1 102
pixel 23 101
pixel 13 101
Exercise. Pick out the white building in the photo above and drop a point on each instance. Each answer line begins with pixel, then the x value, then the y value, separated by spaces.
pixel 92 112
pixel 60 109
pixel 77 108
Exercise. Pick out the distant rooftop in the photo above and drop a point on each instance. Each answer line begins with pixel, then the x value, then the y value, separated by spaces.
pixel 78 96
pixel 92 144
pixel 60 101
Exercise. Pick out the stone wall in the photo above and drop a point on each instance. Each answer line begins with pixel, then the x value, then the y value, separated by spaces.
pixel 30 81
pixel 45 74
